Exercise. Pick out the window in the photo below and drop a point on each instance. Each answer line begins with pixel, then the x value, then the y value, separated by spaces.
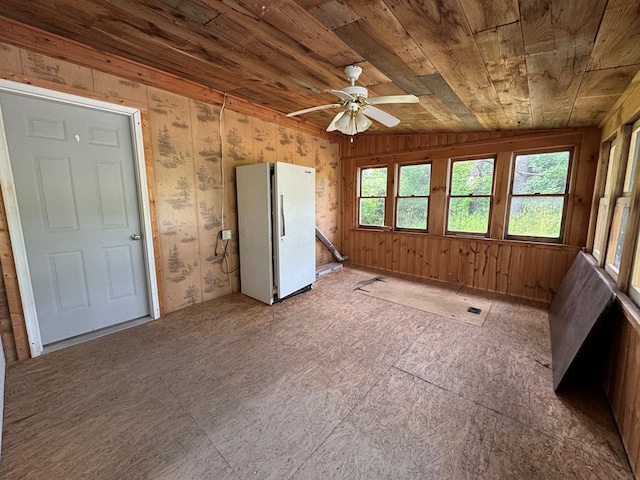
pixel 412 201
pixel 603 205
pixel 621 210
pixel 470 188
pixel 373 193
pixel 616 240
pixel 539 189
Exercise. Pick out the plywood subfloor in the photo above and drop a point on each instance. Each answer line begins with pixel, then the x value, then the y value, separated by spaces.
pixel 436 299
pixel 328 384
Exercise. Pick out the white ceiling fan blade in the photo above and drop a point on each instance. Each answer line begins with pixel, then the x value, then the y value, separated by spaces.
pixel 313 109
pixel 393 99
pixel 341 95
pixel 380 116
pixel 332 126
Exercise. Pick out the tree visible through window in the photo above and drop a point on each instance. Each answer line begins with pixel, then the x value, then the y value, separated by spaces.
pixel 538 191
pixel 412 205
pixel 471 184
pixel 373 192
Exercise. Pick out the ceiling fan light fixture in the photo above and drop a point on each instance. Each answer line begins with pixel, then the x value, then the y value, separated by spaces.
pixel 362 122
pixel 351 123
pixel 342 124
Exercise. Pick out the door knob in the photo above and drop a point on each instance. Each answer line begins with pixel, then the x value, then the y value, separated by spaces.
pixel 135 236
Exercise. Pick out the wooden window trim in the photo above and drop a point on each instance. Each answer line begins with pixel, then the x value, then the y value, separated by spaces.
pixel 397 197
pixel 360 197
pixel 566 195
pixel 632 232
pixel 623 140
pixel 621 204
pixel 449 196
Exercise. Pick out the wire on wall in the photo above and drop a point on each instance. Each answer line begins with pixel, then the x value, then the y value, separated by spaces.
pixel 221 123
pixel 224 254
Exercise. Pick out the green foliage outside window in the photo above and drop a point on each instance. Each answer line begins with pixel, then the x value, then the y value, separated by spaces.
pixel 470 190
pixel 373 190
pixel 539 185
pixel 413 196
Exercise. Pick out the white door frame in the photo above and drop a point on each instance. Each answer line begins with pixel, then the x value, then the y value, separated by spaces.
pixel 13 214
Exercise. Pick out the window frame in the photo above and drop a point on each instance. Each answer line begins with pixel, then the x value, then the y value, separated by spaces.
pixel 622 193
pixel 397 196
pixel 565 204
pixel 601 229
pixel 630 195
pixel 449 196
pixel 621 204
pixel 360 197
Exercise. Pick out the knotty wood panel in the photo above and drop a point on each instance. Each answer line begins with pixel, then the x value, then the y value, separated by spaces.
pixel 491 265
pixel 623 376
pixel 191 157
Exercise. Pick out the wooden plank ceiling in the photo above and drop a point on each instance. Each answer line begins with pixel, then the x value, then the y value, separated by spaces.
pixel 475 64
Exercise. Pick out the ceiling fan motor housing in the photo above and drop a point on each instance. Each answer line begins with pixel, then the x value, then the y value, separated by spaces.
pixel 356 91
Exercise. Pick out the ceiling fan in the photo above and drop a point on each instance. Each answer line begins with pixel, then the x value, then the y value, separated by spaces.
pixel 357 108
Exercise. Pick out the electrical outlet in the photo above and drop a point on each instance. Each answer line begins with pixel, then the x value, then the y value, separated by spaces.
pixel 225 234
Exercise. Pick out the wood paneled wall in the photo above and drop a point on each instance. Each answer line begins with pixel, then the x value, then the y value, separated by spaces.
pixel 513 268
pixel 192 148
pixel 622 378
pixel 530 270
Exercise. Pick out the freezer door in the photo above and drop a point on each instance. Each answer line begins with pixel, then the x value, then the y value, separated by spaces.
pixel 255 231
pixel 294 193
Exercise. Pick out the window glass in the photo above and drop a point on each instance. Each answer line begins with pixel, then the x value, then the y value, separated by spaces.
pixel 538 193
pixel 412 205
pixel 373 190
pixel 472 177
pixel 536 216
pixel 616 241
pixel 471 184
pixel 541 173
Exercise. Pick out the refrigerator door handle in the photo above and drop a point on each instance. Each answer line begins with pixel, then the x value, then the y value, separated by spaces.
pixel 283 227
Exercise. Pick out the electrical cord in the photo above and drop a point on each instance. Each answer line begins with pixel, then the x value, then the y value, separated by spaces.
pixel 224 254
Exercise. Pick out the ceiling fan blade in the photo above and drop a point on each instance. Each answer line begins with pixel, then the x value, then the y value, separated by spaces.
pixel 380 116
pixel 341 95
pixel 393 99
pixel 313 109
pixel 332 126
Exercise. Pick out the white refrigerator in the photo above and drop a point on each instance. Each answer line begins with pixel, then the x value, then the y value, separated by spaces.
pixel 276 229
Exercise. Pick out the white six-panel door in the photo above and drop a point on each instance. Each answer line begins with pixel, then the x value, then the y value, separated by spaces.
pixel 74 178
